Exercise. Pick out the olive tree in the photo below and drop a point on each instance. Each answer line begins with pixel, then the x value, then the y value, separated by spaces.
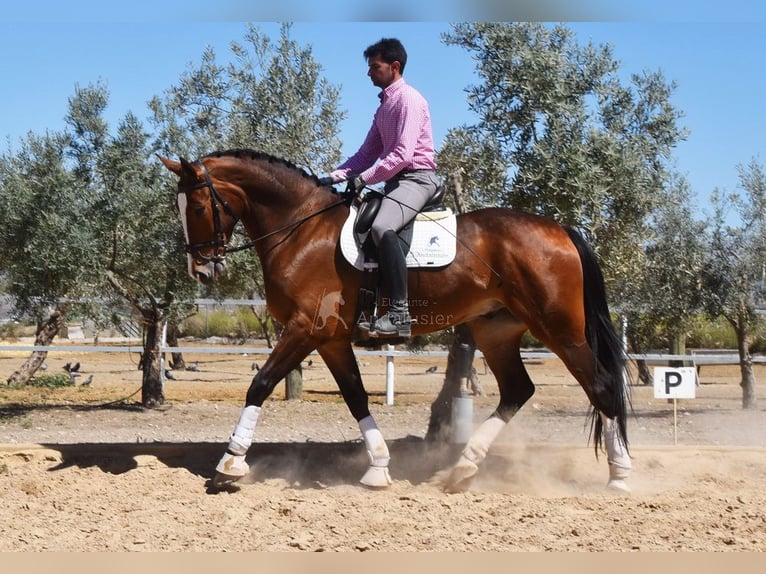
pixel 561 135
pixel 140 256
pixel 734 270
pixel 584 147
pixel 47 246
pixel 670 270
pixel 270 96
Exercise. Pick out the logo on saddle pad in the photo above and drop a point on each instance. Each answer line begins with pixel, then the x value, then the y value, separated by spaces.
pixel 434 240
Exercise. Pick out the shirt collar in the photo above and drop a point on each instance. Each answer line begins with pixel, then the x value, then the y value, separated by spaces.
pixel 390 90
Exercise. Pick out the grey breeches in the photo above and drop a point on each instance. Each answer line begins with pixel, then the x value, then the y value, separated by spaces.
pixel 405 195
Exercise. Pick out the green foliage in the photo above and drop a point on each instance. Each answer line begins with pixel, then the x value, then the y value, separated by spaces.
pixel 239 324
pixel 586 149
pixel 51 380
pixel 272 97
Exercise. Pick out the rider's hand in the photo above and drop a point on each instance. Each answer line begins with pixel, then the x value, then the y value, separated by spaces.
pixel 339 175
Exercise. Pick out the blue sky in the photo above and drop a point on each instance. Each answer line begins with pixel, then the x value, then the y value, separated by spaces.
pixel 717 61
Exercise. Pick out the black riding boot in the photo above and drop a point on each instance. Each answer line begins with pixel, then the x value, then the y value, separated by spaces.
pixel 393 267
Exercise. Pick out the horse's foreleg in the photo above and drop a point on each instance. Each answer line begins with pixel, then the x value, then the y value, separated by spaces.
pixel 293 346
pixel 377 475
pixel 339 357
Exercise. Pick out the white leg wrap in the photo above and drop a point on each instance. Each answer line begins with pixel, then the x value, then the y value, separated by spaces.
pixel 482 438
pixel 620 464
pixel 373 438
pixel 377 474
pixel 467 467
pixel 242 437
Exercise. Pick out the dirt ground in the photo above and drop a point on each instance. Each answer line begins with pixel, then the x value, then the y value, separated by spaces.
pixel 86 469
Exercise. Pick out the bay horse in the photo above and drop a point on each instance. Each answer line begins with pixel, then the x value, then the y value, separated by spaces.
pixel 513 272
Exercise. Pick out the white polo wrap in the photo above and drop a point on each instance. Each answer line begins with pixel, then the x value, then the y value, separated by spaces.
pixel 482 438
pixel 373 439
pixel 242 437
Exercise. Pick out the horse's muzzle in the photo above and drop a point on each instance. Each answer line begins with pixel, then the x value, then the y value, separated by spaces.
pixel 207 272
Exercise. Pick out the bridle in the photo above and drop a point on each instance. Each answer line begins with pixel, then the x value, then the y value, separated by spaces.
pixel 217 203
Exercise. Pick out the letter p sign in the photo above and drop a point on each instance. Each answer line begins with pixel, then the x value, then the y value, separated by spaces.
pixel 674 383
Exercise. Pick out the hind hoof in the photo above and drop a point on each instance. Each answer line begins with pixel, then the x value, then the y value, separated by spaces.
pixel 618 485
pixel 377 477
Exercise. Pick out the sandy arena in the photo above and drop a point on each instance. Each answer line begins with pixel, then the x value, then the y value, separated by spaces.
pixel 86 469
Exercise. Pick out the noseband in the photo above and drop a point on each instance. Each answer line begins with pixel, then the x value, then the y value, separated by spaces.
pixel 217 202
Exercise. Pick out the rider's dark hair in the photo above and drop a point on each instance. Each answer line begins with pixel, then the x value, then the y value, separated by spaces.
pixel 390 50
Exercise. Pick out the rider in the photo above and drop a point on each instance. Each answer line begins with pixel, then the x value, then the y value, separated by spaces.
pixel 402 139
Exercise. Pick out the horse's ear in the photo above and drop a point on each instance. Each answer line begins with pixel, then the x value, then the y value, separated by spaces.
pixel 174 166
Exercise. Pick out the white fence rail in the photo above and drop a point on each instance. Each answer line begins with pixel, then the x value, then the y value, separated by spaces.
pixel 706 357
pixel 694 358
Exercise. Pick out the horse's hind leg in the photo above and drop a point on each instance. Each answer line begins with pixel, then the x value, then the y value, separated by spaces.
pixel 499 339
pixel 600 388
pixel 339 357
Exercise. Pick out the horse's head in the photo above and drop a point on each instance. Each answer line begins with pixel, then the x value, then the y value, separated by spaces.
pixel 207 218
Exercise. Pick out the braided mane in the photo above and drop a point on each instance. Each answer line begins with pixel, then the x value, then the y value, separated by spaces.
pixel 245 153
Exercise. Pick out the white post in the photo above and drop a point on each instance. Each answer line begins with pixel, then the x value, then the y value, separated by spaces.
pixel 389 376
pixel 624 334
pixel 163 345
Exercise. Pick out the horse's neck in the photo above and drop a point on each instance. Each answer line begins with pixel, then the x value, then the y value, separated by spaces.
pixel 290 217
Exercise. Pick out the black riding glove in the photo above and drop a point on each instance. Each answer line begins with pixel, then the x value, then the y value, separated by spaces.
pixel 356 185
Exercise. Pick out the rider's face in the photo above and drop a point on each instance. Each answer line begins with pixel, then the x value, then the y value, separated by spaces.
pixel 381 73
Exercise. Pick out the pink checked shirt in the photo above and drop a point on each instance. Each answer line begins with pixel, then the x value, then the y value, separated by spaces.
pixel 400 137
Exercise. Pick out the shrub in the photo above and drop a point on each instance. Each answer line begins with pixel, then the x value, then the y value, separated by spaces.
pixel 52 381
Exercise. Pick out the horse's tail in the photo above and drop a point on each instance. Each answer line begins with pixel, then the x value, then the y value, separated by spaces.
pixel 605 342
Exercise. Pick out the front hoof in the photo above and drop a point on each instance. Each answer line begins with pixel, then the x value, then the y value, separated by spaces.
pixel 461 476
pixel 224 482
pixel 377 477
pixel 232 466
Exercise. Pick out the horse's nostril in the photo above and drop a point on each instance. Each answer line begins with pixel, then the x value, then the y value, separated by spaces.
pixel 203 278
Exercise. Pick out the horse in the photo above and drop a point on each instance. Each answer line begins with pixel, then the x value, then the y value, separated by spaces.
pixel 513 272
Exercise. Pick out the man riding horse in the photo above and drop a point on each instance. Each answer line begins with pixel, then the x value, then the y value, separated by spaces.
pixel 401 138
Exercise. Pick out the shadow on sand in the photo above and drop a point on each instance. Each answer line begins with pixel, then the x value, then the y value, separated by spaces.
pixel 302 465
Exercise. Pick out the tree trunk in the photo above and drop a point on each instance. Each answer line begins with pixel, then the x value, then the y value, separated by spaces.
pixel 456 181
pixel 440 422
pixel 294 384
pixel 46 331
pixel 644 375
pixel 747 383
pixel 677 347
pixel 263 324
pixel 176 358
pixel 152 391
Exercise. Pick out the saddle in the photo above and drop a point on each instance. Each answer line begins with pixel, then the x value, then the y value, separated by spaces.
pixel 429 241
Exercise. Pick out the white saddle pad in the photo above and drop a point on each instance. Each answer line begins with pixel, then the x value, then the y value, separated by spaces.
pixel 434 240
